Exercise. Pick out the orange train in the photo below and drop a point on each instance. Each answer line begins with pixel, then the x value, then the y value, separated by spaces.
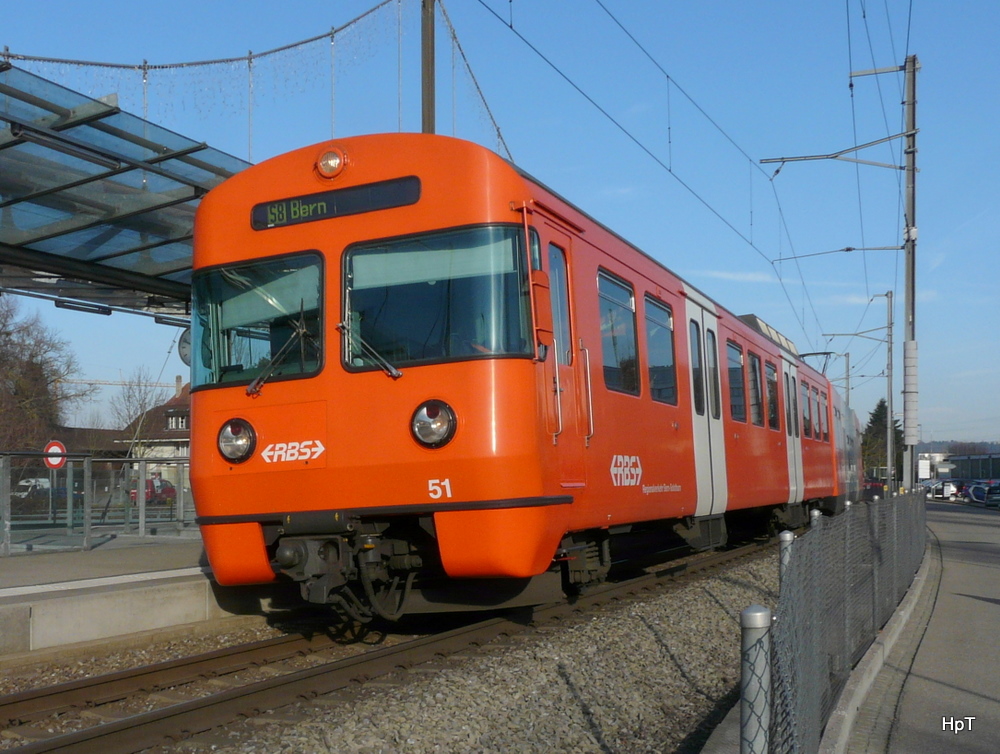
pixel 423 381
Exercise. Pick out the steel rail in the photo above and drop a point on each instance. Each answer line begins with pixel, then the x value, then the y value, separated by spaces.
pixel 176 722
pixel 35 704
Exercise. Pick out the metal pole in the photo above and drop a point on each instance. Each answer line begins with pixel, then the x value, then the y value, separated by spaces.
pixel 911 434
pixel 890 426
pixel 755 680
pixel 847 381
pixel 427 65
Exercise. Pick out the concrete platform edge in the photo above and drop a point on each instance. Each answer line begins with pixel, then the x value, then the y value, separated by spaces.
pixel 76 616
pixel 837 733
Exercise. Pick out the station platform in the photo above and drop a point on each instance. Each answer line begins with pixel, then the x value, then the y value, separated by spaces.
pixel 939 686
pixel 55 596
pixel 931 681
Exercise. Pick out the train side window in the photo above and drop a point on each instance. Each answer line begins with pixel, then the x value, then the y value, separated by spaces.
pixel 773 412
pixel 618 343
pixel 819 414
pixel 737 388
pixel 824 408
pixel 559 294
pixel 806 411
pixel 756 394
pixel 697 374
pixel 712 363
pixel 793 395
pixel 660 350
pixel 788 406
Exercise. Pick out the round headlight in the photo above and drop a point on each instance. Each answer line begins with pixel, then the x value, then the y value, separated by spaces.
pixel 237 440
pixel 331 163
pixel 433 423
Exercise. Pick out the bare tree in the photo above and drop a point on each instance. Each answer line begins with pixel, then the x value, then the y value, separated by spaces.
pixel 968 448
pixel 34 365
pixel 137 396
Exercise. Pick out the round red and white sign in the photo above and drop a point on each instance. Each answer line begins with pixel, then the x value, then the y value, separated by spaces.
pixel 55 462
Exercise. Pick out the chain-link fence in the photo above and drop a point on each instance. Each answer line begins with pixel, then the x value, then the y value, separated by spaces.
pixel 86 498
pixel 840 583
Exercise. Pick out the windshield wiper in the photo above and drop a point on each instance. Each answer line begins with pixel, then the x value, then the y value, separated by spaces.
pixel 299 333
pixel 369 351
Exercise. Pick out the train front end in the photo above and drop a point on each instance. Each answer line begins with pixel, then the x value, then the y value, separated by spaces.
pixel 367 400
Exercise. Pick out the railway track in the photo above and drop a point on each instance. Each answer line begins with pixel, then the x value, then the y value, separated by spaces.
pixel 176 721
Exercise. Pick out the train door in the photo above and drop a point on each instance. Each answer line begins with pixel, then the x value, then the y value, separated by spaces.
pixel 568 370
pixel 796 479
pixel 706 405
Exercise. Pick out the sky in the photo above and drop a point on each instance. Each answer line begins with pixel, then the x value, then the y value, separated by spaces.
pixel 651 116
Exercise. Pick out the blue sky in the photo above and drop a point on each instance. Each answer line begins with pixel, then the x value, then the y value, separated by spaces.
pixel 671 164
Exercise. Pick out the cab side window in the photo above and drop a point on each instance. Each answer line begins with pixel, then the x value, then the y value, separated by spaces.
pixel 559 287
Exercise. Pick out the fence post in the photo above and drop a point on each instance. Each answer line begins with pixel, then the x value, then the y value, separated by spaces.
pixel 785 541
pixel 755 680
pixel 5 504
pixel 874 516
pixel 897 592
pixel 179 499
pixel 849 576
pixel 69 497
pixel 88 499
pixel 140 497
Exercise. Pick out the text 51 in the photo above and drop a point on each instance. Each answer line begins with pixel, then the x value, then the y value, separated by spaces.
pixel 439 488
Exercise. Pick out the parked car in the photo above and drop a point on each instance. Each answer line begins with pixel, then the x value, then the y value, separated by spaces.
pixel 976 492
pixel 158 492
pixel 943 489
pixel 961 485
pixel 871 489
pixel 993 496
pixel 31 488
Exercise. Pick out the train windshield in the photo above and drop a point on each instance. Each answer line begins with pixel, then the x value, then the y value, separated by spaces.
pixel 257 321
pixel 447 296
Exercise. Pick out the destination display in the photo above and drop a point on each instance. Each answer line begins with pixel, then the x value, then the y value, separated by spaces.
pixel 398 192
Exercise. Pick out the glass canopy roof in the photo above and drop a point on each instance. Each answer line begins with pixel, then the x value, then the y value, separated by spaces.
pixel 97 205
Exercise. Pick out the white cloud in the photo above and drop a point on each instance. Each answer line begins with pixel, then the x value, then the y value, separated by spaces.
pixel 738 277
pixel 848 300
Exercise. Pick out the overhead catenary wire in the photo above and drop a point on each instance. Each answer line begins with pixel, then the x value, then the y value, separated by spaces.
pixel 854 124
pixel 7 55
pixel 652 155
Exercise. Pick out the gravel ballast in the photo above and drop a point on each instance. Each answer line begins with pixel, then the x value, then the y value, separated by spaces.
pixel 647 675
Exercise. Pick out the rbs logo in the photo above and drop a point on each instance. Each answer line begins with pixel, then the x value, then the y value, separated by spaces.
pixel 292 451
pixel 626 471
